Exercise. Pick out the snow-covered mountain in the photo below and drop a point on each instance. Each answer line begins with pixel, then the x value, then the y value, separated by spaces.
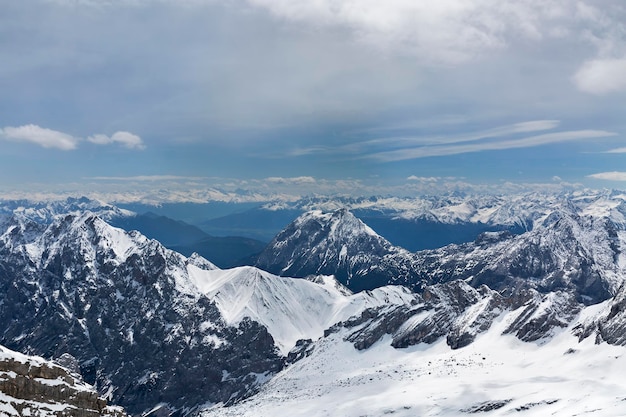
pixel 575 247
pixel 48 211
pixel 497 375
pixel 506 210
pixel 127 310
pixel 508 323
pixel 337 244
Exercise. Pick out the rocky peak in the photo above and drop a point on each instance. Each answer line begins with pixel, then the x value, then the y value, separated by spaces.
pixel 125 307
pixel 335 243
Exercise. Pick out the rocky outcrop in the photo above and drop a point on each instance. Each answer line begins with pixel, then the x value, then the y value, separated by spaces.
pixel 30 386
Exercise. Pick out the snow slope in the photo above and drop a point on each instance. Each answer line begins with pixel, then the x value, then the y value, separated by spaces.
pixel 290 309
pixel 498 375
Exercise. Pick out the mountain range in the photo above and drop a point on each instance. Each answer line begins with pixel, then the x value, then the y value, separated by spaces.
pixel 333 318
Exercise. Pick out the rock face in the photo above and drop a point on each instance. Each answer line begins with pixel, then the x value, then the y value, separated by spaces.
pixel 337 244
pixel 125 308
pixel 31 386
pixel 565 252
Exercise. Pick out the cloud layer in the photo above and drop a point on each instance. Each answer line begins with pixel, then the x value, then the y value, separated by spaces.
pixel 289 90
pixel 482 145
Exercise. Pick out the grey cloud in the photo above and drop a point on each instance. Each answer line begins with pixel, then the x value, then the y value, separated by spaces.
pixel 602 76
pixel 325 74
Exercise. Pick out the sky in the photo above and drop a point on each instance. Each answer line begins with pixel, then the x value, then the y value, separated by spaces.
pixel 173 97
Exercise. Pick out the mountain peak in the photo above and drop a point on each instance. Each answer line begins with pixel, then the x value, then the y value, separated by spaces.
pixel 335 243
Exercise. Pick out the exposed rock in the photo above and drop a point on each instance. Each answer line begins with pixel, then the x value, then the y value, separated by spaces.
pixel 32 386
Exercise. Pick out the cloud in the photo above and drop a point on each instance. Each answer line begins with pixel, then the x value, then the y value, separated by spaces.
pixel 601 76
pixel 49 138
pixel 291 180
pixel 538 140
pixel 609 176
pixel 127 139
pixel 154 178
pixel 523 127
pixel 448 31
pixel 429 179
pixel 617 150
pixel 46 138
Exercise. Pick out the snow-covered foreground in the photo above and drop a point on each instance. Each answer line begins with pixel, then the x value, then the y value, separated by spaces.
pixel 496 376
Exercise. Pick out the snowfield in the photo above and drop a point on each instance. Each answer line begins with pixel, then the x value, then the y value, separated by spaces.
pixel 496 376
pixel 291 309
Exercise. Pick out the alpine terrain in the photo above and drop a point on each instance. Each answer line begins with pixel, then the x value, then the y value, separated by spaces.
pixel 507 324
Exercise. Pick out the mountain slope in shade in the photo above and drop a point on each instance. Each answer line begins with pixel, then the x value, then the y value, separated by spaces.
pixel 337 244
pixel 32 386
pixel 186 239
pixel 126 309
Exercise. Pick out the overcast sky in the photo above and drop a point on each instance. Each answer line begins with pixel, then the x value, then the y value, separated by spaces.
pixel 323 93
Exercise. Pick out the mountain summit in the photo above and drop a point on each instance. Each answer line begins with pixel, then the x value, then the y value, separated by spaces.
pixel 337 244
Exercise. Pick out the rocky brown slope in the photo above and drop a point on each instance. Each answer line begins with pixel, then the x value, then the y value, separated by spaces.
pixel 31 386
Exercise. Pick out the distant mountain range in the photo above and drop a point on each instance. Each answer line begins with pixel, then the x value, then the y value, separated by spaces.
pixel 225 252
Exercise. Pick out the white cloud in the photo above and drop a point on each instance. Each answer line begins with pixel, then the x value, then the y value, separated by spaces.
pixel 617 150
pixel 442 30
pixel 154 178
pixel 609 176
pixel 425 179
pixel 523 127
pixel 291 180
pixel 538 140
pixel 47 138
pixel 126 139
pixel 602 76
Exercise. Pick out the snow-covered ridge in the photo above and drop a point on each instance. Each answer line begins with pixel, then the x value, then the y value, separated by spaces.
pixel 111 295
pixel 496 375
pixel 48 211
pixel 291 309
pixel 524 209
